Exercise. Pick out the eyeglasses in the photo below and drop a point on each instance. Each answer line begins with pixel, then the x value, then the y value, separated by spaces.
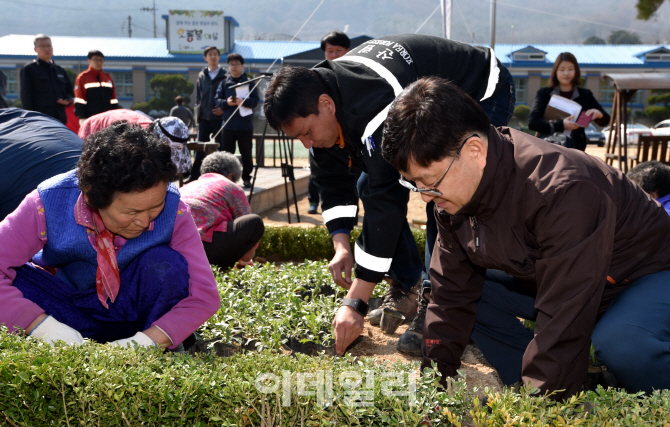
pixel 432 191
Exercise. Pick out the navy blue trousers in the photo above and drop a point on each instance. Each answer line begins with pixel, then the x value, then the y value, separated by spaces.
pixel 151 285
pixel 632 339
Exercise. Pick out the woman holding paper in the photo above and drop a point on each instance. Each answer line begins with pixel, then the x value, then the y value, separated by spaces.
pixel 564 82
pixel 240 127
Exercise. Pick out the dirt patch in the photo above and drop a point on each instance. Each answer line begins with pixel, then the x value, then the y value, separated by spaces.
pixel 374 343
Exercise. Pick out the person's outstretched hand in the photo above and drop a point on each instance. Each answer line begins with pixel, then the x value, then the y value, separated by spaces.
pixel 51 330
pixel 140 338
pixel 347 326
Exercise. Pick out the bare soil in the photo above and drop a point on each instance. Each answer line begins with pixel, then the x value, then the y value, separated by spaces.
pixel 478 372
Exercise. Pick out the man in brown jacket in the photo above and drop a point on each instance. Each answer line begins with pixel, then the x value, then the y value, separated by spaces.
pixel 532 230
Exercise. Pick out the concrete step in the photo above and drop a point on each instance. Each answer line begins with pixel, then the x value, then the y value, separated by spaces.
pixel 269 189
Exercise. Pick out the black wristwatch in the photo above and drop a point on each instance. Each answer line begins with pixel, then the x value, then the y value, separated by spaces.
pixel 359 305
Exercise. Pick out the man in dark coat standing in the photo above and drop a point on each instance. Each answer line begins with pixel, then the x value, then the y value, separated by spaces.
pixel 45 87
pixel 207 114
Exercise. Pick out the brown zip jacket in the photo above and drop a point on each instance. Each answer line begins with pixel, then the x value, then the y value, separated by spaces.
pixel 564 224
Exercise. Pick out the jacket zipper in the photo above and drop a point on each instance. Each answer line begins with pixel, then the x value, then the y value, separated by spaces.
pixel 475 230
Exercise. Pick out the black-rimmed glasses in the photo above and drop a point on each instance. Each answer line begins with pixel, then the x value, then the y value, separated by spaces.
pixel 432 191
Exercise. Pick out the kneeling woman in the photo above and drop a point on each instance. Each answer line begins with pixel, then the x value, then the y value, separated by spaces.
pixel 116 256
pixel 229 231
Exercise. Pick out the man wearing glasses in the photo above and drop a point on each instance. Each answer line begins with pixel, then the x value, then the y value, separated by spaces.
pixel 337 110
pixel 535 231
pixel 239 128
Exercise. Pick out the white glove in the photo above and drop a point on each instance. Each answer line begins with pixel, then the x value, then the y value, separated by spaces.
pixel 140 338
pixel 51 330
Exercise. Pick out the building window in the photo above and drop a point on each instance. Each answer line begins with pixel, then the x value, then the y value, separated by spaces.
pixel 606 93
pixel 123 80
pixel 529 56
pixel 658 57
pixel 149 76
pixel 521 87
pixel 12 82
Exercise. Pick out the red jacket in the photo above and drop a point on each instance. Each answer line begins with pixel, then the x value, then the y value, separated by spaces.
pixel 94 93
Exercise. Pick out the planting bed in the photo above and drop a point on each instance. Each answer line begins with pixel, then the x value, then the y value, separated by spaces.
pixel 267 313
pixel 288 307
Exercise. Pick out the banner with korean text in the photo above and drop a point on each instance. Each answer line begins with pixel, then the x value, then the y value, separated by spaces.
pixel 191 31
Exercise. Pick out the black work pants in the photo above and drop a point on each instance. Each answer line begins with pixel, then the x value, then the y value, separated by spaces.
pixel 205 129
pixel 244 139
pixel 242 234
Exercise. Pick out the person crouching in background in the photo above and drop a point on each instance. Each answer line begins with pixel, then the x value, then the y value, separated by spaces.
pixel 229 231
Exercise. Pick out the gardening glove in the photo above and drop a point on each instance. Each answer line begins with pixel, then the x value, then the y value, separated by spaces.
pixel 51 330
pixel 245 263
pixel 141 339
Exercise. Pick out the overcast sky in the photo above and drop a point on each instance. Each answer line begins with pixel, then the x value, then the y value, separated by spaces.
pixel 518 21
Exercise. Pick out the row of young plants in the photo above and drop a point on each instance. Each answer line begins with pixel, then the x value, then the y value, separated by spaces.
pixel 99 385
pixel 275 306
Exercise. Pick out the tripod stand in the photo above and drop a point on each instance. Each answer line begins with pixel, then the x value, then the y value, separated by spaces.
pixel 286 156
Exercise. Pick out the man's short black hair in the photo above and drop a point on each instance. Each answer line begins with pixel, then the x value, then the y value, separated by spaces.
pixel 651 176
pixel 428 122
pixel 92 53
pixel 207 49
pixel 235 57
pixel 335 38
pixel 122 158
pixel 293 92
pixel 179 100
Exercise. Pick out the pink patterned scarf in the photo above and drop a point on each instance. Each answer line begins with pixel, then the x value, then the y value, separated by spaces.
pixel 107 278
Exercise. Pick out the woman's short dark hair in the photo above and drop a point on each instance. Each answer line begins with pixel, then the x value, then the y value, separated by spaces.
pixel 652 176
pixel 428 122
pixel 235 57
pixel 209 48
pixel 565 56
pixel 293 92
pixel 122 158
pixel 223 163
pixel 335 38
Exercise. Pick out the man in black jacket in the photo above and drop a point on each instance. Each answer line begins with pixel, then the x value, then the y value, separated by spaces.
pixel 207 114
pixel 45 87
pixel 337 110
pixel 239 124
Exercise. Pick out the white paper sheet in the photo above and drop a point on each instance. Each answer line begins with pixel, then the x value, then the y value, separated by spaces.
pixel 243 92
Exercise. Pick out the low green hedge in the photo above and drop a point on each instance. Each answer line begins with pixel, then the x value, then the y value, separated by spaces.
pixel 314 243
pixel 98 385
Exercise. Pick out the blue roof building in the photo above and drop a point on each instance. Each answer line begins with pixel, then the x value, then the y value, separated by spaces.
pixel 133 62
